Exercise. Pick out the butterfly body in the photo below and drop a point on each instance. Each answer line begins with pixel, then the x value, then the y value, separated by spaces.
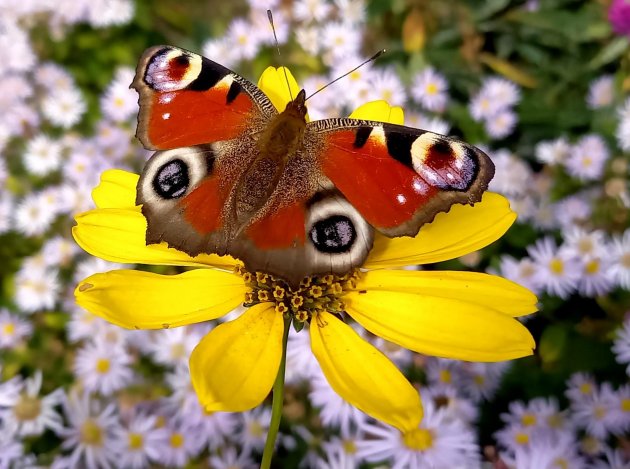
pixel 232 175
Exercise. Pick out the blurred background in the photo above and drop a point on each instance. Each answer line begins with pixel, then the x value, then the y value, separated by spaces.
pixel 539 85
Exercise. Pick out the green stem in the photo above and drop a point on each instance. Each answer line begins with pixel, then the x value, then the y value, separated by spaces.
pixel 276 405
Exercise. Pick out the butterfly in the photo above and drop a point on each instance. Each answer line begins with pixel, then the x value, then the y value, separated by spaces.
pixel 232 175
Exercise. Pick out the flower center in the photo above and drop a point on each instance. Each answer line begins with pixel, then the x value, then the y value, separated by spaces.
pixel 91 433
pixel 27 408
pixel 592 267
pixel 8 329
pixel 177 440
pixel 625 405
pixel 521 438
pixel 586 388
pixel 625 260
pixel 528 420
pixel 349 446
pixel 135 441
pixel 432 89
pixel 256 430
pixel 445 376
pixel 102 365
pixel 420 439
pixel 556 266
pixel 314 294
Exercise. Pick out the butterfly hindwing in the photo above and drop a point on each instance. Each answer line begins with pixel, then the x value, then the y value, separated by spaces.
pixel 399 177
pixel 186 100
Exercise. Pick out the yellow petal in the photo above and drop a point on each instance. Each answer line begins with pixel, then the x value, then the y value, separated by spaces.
pixel 379 111
pixel 234 366
pixel 485 290
pixel 274 84
pixel 117 189
pixel 143 300
pixel 440 326
pixel 462 230
pixel 362 375
pixel 118 235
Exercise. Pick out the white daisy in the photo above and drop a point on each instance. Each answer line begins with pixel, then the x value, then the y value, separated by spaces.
pixel 501 124
pixel 386 85
pixel 64 108
pixel 503 92
pixel 523 272
pixel 512 175
pixel 572 210
pixel 110 12
pixel 601 92
pixel 432 124
pixel 59 251
pixel 13 330
pixel 619 270
pixel 557 273
pixel 596 414
pixel 334 411
pixel 581 243
pixel 174 346
pixel 244 38
pixel 33 215
pixel 119 102
pixel 301 363
pixel 443 372
pixel 90 434
pixel 11 449
pixel 36 290
pixel 254 429
pixel 308 39
pixel 221 48
pixel 181 445
pixel 140 441
pixel 587 159
pixel 52 76
pixel 457 406
pixel 430 90
pixel 621 345
pixel 30 413
pixel 545 453
pixel 103 368
pixel 310 10
pixel 553 152
pixel 483 379
pixel 6 212
pixel 351 11
pixel 436 443
pixel 231 458
pixel 580 387
pixel 339 41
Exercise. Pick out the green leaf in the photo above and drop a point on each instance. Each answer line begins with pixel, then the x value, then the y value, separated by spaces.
pixel 552 343
pixel 609 53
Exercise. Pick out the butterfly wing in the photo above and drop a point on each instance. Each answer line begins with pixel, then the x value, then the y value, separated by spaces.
pixel 399 178
pixel 204 120
pixel 186 100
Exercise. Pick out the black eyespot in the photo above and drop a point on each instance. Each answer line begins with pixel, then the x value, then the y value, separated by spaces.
pixel 333 235
pixel 171 180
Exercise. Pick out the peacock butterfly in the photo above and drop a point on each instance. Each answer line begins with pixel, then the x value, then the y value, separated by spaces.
pixel 232 175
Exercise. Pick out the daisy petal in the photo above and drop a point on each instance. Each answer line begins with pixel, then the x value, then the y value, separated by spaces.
pixel 462 230
pixel 362 375
pixel 274 84
pixel 118 235
pixel 441 326
pixel 144 300
pixel 117 189
pixel 379 111
pixel 490 291
pixel 234 366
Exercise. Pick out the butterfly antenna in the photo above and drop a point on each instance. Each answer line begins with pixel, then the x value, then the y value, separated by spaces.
pixel 284 69
pixel 371 59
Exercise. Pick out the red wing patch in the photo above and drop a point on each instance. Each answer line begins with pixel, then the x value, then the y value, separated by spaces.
pixel 398 177
pixel 282 228
pixel 204 205
pixel 187 100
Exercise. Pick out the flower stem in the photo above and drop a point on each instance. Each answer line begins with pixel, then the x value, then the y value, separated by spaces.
pixel 276 405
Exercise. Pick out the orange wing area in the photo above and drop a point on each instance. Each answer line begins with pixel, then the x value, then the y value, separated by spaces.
pixel 203 206
pixel 185 118
pixel 283 228
pixel 386 192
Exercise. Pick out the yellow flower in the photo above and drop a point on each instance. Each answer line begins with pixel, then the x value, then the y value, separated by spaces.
pixel 460 315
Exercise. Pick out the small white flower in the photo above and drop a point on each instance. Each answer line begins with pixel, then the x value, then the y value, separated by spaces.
pixel 30 413
pixel 90 433
pixel 619 270
pixel 553 152
pixel 432 124
pixel 42 155
pixel 430 90
pixel 64 108
pixel 33 215
pixel 557 273
pixel 36 290
pixel 310 10
pixel 13 329
pixel 587 159
pixel 230 458
pixel 512 174
pixel 140 442
pixel 119 102
pixel 334 411
pixel 254 428
pixel 572 210
pixel 596 414
pixel 437 442
pixel 386 85
pixel 103 368
pixel 601 92
pixel 181 445
pixel 244 38
pixel 501 124
pixel 621 345
pixel 340 41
